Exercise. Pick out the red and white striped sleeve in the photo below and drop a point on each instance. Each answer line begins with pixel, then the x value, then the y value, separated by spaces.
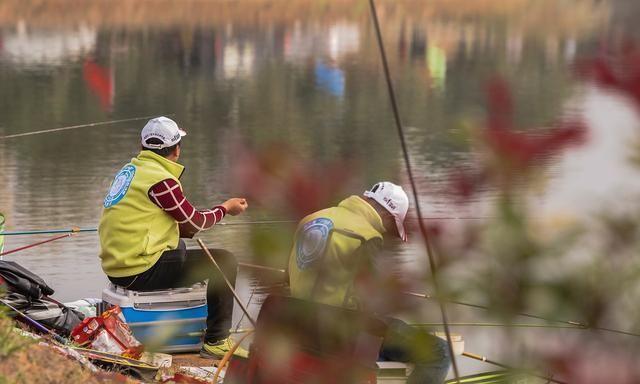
pixel 168 195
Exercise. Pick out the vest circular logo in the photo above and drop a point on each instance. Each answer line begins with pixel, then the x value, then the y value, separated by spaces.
pixel 313 241
pixel 120 186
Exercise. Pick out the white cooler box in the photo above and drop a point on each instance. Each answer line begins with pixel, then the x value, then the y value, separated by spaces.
pixel 171 320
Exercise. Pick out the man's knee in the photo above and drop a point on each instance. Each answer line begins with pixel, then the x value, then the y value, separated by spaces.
pixel 432 363
pixel 431 349
pixel 441 351
pixel 227 262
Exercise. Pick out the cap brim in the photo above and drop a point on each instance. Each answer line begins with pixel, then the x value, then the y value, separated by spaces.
pixel 401 231
pixel 182 133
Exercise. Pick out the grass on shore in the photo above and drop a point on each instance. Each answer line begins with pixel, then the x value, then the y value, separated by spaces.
pixel 25 360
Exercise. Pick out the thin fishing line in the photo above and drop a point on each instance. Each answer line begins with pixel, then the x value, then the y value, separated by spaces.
pixel 76 127
pixel 575 324
pixel 510 368
pixel 248 304
pixel 258 222
pixel 405 152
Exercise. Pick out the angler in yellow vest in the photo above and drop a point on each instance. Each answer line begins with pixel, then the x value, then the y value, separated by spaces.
pixel 335 246
pixel 145 215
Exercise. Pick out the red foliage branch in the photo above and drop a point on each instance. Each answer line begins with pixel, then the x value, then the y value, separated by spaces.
pixel 619 72
pixel 515 150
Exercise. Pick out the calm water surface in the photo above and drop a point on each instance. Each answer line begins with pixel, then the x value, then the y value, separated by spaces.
pixel 306 78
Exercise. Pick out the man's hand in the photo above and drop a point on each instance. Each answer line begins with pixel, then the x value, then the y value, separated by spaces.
pixel 235 206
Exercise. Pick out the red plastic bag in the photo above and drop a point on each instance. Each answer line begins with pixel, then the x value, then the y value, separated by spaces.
pixel 108 333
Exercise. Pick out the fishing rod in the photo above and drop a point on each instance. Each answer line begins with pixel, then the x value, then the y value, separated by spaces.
pixel 528 372
pixel 241 330
pixel 409 218
pixel 78 230
pixel 241 264
pixel 514 325
pixel 569 323
pixel 35 324
pixel 36 244
pixel 236 223
pixel 48 231
pixel 99 123
pixel 575 324
pixel 229 285
pixel 261 267
pixel 407 161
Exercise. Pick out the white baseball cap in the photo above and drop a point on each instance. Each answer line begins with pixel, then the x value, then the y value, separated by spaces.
pixel 162 128
pixel 393 198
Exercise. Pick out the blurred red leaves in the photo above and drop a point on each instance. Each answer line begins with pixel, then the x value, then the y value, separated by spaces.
pixel 182 378
pixel 619 72
pixel 465 183
pixel 523 149
pixel 510 151
pixel 592 364
pixel 278 178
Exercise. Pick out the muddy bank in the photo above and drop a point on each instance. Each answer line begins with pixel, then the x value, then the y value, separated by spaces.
pixel 26 360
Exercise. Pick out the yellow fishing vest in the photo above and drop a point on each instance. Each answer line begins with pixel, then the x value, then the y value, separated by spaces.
pixel 133 230
pixel 325 259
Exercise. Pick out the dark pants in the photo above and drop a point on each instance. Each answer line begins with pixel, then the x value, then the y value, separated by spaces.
pixel 407 344
pixel 183 267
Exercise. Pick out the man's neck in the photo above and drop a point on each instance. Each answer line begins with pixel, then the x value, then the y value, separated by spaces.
pixel 374 204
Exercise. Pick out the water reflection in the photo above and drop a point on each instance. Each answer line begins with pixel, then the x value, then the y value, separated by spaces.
pixel 100 81
pixel 330 78
pixel 25 47
pixel 307 75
